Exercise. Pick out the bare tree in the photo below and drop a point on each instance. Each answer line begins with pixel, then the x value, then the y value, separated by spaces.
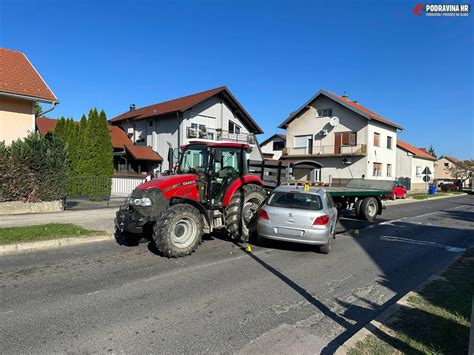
pixel 461 171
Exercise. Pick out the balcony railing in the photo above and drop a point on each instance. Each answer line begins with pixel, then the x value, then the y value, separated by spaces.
pixel 327 150
pixel 219 135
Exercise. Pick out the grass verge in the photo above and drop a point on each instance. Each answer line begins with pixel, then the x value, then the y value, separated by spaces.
pixel 435 321
pixel 42 232
pixel 424 196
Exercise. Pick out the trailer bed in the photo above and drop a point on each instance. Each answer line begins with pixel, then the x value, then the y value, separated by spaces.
pixel 355 192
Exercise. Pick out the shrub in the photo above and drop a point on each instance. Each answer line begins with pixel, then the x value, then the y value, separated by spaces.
pixel 34 169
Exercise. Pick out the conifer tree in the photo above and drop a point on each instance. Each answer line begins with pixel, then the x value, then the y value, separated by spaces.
pixel 60 127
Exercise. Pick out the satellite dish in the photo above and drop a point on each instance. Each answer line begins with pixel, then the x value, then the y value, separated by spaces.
pixel 334 121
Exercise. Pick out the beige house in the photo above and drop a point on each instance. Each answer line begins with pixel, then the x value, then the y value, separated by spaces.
pixel 347 139
pixel 441 169
pixel 21 86
pixel 273 146
pixel 413 164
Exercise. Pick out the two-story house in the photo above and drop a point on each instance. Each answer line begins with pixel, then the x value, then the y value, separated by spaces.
pixel 273 146
pixel 346 138
pixel 21 87
pixel 212 115
pixel 413 164
pixel 442 166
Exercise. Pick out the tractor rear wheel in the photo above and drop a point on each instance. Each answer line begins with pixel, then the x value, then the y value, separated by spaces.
pixel 241 214
pixel 178 231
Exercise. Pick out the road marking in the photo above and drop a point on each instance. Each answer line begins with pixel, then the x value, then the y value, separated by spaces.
pixel 448 248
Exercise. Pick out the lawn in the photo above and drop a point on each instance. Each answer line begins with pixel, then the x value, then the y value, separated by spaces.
pixel 42 232
pixel 422 196
pixel 436 320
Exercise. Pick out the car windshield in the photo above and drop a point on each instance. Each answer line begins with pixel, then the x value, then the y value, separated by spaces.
pixel 295 200
pixel 194 160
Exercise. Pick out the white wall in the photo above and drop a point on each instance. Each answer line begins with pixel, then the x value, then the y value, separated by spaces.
pixel 268 147
pixel 381 154
pixel 404 163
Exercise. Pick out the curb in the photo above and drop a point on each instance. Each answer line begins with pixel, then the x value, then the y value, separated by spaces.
pixel 378 322
pixel 49 244
pixel 410 200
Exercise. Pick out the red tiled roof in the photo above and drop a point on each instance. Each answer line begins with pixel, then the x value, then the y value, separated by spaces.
pixel 143 152
pixel 453 159
pixel 415 151
pixel 45 125
pixel 18 76
pixel 182 104
pixel 365 110
pixel 119 138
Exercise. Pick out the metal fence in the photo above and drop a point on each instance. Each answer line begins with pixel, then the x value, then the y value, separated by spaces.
pixel 90 192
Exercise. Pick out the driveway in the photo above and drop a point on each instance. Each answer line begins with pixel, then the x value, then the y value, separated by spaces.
pixel 283 298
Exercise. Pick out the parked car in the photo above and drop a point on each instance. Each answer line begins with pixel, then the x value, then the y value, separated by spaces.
pixel 398 191
pixel 292 214
pixel 449 187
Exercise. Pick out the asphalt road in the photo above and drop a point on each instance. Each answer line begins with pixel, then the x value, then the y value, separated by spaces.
pixel 104 297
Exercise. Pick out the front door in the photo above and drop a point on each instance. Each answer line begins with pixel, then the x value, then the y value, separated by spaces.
pixel 226 167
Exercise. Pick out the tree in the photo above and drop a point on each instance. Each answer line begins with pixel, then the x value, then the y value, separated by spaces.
pixel 461 171
pixel 60 128
pixel 432 151
pixel 38 109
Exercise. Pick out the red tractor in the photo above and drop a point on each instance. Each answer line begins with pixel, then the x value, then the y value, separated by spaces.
pixel 211 189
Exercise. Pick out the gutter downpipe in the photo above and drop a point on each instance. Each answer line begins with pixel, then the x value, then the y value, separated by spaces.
pixel 53 105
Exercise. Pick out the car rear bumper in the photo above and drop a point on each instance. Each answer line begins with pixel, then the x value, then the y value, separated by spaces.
pixel 309 236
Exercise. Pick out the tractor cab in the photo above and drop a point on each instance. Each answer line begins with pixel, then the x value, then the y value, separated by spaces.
pixel 217 166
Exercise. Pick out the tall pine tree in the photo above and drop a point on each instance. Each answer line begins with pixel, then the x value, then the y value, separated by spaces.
pixel 60 127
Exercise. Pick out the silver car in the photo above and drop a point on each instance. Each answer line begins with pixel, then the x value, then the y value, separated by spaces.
pixel 292 214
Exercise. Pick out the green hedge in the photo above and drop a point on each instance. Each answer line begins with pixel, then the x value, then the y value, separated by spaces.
pixel 34 169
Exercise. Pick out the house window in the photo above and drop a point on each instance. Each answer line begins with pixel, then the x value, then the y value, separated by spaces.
pixel 389 142
pixel 389 170
pixel 349 138
pixel 301 141
pixel 150 123
pixel 446 165
pixel 233 128
pixel 325 112
pixel 278 145
pixel 376 139
pixel 419 170
pixel 377 169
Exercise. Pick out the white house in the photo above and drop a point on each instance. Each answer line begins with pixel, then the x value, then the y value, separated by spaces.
pixel 273 146
pixel 413 163
pixel 346 138
pixel 209 115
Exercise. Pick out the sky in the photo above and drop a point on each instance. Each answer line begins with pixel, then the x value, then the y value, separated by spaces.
pixel 273 55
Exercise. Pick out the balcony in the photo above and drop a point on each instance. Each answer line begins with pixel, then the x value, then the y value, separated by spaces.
pixel 219 135
pixel 326 150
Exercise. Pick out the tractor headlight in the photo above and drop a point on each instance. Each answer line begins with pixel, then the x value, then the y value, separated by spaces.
pixel 142 202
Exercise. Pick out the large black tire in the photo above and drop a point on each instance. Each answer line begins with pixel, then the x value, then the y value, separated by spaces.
pixel 357 208
pixel 241 214
pixel 178 231
pixel 369 209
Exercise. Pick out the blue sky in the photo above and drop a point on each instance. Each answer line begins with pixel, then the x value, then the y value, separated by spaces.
pixel 273 55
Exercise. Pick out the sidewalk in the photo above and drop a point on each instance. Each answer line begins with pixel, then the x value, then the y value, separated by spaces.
pixel 97 219
pixel 410 200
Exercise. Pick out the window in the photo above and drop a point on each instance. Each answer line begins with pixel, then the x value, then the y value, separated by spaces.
pixel 419 170
pixel 295 200
pixel 233 128
pixel 389 170
pixel 278 145
pixel 389 142
pixel 349 138
pixel 376 139
pixel 301 141
pixel 377 169
pixel 150 123
pixel 325 112
pixel 446 165
pixel 194 160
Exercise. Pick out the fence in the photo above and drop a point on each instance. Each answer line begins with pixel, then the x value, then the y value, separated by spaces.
pixel 88 192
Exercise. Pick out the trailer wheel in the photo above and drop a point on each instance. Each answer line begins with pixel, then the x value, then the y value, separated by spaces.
pixel 369 209
pixel 357 208
pixel 178 231
pixel 240 215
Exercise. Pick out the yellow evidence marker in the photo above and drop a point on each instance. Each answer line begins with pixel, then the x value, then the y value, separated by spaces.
pixel 306 187
pixel 248 248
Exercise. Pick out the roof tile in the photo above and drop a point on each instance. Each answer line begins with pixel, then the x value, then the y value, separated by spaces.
pixel 143 152
pixel 415 151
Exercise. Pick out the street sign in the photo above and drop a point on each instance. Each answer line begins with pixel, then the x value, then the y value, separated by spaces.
pixel 426 171
pixel 426 178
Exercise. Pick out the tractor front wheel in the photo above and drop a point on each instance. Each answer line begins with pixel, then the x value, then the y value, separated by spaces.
pixel 178 231
pixel 241 214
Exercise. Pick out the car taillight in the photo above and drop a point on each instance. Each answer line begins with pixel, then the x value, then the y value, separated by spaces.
pixel 263 215
pixel 321 220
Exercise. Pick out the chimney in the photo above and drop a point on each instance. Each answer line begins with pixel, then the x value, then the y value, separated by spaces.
pixel 132 107
pixel 345 96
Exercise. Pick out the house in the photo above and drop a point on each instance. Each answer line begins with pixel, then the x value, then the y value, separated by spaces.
pixel 442 166
pixel 346 138
pixel 21 87
pixel 412 166
pixel 128 158
pixel 273 146
pixel 209 115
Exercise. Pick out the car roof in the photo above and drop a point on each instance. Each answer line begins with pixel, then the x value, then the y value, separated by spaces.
pixel 292 188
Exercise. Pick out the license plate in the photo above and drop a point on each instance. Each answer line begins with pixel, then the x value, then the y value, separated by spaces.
pixel 290 232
